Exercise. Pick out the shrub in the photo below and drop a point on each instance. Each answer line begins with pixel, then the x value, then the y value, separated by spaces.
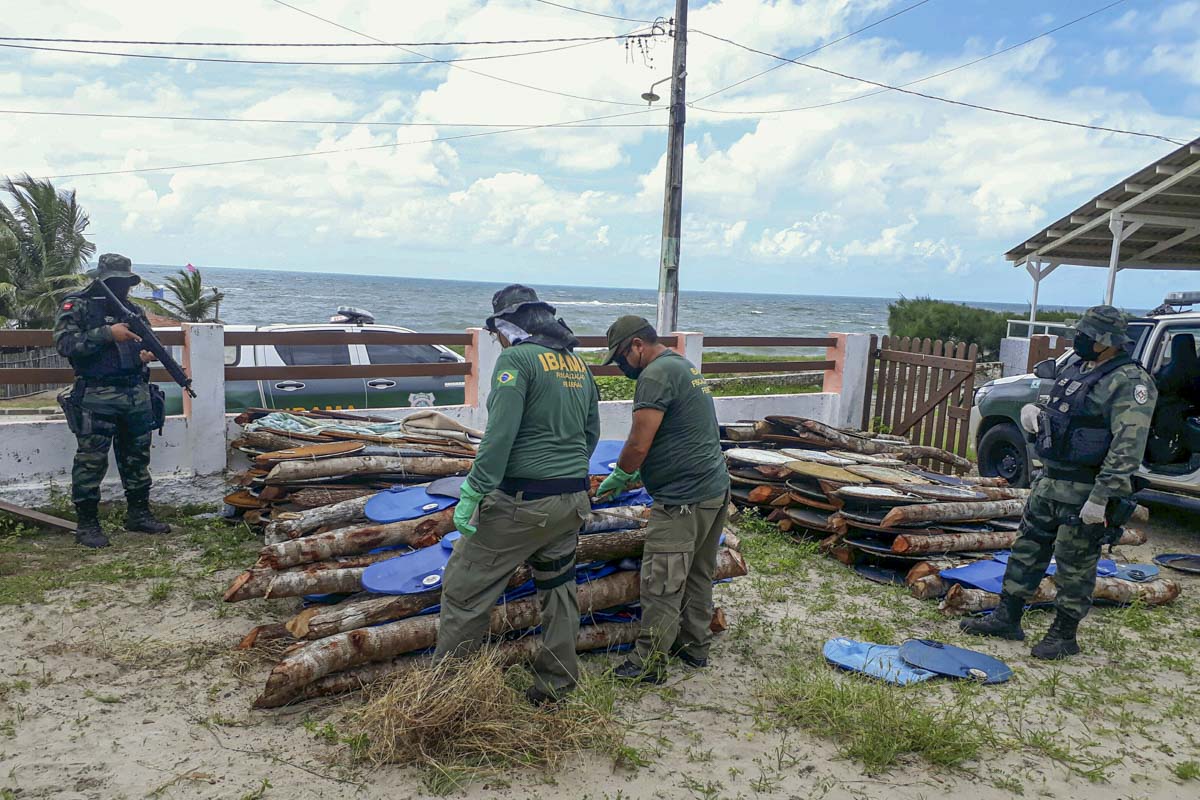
pixel 937 319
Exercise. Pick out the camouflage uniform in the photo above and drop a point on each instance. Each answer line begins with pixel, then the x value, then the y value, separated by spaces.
pixel 113 394
pixel 1124 398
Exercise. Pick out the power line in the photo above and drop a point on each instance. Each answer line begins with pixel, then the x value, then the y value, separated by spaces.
pixel 970 63
pixel 209 59
pixel 161 43
pixel 389 123
pixel 589 13
pixel 814 50
pixel 390 145
pixel 531 87
pixel 961 103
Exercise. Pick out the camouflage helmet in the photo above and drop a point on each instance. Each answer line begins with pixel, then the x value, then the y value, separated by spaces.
pixel 1105 324
pixel 114 265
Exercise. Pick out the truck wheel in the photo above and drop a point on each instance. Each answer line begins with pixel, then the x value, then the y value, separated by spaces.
pixel 1002 453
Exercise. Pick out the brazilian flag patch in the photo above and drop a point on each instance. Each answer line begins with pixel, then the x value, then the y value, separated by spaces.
pixel 505 378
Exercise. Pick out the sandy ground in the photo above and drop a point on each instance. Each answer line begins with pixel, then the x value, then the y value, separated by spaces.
pixel 126 687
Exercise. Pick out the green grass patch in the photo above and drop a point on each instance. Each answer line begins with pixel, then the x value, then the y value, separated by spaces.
pixel 1187 770
pixel 876 723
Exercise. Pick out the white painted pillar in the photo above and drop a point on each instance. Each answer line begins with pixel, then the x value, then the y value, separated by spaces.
pixel 1116 224
pixel 690 345
pixel 848 378
pixel 482 354
pixel 1035 271
pixel 204 362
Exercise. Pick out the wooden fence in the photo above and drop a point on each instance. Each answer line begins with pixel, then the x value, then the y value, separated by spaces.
pixel 1042 347
pixel 922 389
pixel 28 358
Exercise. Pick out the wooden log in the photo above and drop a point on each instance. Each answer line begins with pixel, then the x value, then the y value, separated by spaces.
pixel 856 443
pixel 37 517
pixel 302 580
pixel 296 524
pixel 318 623
pixel 265 442
pixel 951 512
pixel 317 497
pixel 615 519
pixel 263 633
pixel 768 494
pixel 976 480
pixel 420 532
pixel 591 637
pixel 961 600
pixel 382 642
pixel 916 543
pixel 1003 492
pixel 435 466
pixel 928 587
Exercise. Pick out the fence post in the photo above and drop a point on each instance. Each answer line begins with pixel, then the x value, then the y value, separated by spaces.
pixel 482 354
pixel 690 345
pixel 204 361
pixel 848 378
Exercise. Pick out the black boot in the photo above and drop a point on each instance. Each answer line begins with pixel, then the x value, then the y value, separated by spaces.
pixel 1059 641
pixel 1003 623
pixel 87 529
pixel 139 518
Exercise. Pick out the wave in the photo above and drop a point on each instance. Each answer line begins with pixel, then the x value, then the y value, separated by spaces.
pixel 598 303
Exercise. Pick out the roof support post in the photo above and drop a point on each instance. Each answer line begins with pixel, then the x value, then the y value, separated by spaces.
pixel 1037 270
pixel 1116 224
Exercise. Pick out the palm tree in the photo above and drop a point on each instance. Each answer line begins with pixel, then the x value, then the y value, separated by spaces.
pixel 42 251
pixel 192 303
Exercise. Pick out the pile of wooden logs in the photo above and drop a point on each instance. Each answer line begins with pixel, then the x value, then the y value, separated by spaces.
pixel 301 460
pixel 868 502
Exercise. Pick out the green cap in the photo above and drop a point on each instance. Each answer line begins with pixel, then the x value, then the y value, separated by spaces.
pixel 1107 325
pixel 622 331
pixel 114 265
pixel 513 298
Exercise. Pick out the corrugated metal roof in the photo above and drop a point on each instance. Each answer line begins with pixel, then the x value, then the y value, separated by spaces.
pixel 1160 209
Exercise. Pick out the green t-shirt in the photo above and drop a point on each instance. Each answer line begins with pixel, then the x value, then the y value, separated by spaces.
pixel 685 464
pixel 543 418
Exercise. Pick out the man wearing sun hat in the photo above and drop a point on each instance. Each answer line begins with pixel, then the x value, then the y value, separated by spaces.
pixel 529 486
pixel 674 445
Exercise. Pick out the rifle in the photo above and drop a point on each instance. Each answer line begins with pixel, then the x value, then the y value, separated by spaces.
pixel 149 340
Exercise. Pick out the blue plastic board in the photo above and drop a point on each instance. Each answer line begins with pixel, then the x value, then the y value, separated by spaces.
pixel 877 660
pixel 954 662
pixel 638 497
pixel 412 573
pixel 989 575
pixel 604 458
pixel 405 502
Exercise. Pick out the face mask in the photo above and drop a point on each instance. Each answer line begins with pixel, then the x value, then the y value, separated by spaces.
pixel 1085 347
pixel 627 369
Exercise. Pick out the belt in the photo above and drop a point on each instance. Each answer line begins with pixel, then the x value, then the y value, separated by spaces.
pixel 531 489
pixel 1075 474
pixel 118 381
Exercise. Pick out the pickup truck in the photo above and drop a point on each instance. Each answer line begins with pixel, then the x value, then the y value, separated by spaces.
pixel 1167 345
pixel 332 394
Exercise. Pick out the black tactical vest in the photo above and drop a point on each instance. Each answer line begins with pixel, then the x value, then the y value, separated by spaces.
pixel 1066 433
pixel 115 360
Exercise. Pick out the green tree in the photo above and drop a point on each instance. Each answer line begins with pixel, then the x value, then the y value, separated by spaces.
pixel 193 302
pixel 42 251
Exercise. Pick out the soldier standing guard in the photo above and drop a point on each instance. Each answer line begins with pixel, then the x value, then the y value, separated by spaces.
pixel 1091 436
pixel 111 403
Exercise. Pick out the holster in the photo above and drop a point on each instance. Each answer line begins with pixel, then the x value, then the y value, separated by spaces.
pixel 70 401
pixel 158 408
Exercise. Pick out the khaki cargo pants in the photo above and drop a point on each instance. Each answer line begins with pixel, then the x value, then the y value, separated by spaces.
pixel 511 532
pixel 677 574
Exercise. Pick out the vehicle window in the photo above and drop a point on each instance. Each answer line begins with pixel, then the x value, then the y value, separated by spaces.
pixel 402 354
pixel 1164 350
pixel 310 355
pixel 1138 331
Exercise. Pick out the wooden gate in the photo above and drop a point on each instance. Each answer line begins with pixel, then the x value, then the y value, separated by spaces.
pixel 923 390
pixel 1042 347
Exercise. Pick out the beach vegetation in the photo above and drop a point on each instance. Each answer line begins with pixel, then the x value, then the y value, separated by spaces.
pixel 193 302
pixel 42 251
pixel 927 318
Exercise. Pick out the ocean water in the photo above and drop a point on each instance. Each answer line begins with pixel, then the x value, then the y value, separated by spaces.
pixel 263 297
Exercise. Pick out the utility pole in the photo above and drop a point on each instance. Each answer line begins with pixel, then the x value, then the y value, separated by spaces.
pixel 668 275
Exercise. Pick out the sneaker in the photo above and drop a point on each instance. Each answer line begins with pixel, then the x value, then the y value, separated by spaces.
pixel 540 697
pixel 630 671
pixel 688 660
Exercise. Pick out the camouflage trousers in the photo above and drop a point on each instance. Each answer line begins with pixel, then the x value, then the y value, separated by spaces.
pixel 1045 532
pixel 119 418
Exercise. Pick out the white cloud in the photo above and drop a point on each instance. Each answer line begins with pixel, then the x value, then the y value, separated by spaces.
pixel 801 239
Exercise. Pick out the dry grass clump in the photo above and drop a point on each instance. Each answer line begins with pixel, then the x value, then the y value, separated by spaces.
pixel 461 717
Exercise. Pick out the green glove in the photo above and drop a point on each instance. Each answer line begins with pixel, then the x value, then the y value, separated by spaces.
pixel 468 501
pixel 615 483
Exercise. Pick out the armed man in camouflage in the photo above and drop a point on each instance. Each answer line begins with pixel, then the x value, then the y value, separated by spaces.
pixel 110 404
pixel 1090 437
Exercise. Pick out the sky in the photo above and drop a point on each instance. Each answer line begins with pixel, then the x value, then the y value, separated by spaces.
pixel 881 196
